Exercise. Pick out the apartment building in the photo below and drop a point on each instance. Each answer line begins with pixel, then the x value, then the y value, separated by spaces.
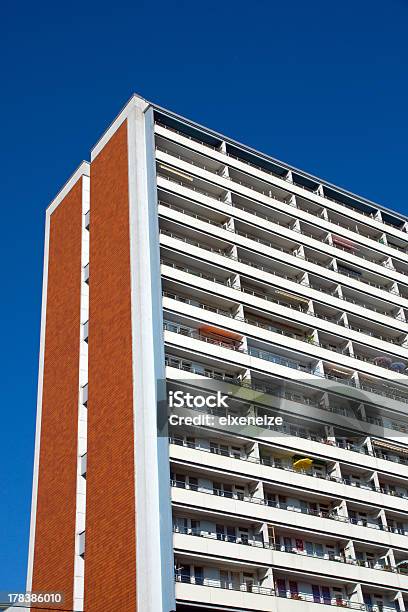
pixel 179 259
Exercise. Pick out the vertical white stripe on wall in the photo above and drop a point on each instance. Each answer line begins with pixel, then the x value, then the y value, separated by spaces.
pixel 153 509
pixel 79 562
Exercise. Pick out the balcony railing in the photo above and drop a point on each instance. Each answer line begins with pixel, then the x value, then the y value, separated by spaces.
pixel 260 543
pixel 194 272
pixel 231 586
pixel 284 176
pixel 262 268
pixel 289 363
pixel 282 332
pixel 270 298
pixel 303 432
pixel 340 270
pixel 268 462
pixel 190 213
pixel 253 499
pixel 298 596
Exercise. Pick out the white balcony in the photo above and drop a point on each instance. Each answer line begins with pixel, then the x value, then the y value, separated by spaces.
pixel 259 511
pixel 285 185
pixel 210 593
pixel 260 361
pixel 207 545
pixel 295 442
pixel 292 479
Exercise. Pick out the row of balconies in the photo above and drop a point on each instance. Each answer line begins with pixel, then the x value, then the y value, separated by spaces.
pixel 322 469
pixel 338 320
pixel 199 190
pixel 301 332
pixel 199 491
pixel 268 538
pixel 229 197
pixel 344 511
pixel 285 357
pixel 335 436
pixel 209 584
pixel 288 268
pixel 165 140
pixel 363 413
pixel 237 260
pixel 285 239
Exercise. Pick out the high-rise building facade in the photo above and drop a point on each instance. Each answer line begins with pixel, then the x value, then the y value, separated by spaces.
pixel 180 260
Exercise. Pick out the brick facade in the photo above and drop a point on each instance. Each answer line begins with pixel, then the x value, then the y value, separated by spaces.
pixel 110 568
pixel 53 568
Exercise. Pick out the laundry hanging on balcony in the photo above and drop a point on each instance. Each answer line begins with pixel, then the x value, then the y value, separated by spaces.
pixel 383 361
pixel 398 366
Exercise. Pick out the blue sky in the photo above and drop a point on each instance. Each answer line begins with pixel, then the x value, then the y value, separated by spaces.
pixel 321 85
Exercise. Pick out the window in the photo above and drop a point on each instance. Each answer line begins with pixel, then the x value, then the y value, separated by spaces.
pixel 248 580
pixel 282 502
pixel 185 574
pixel 198 575
pixel 287 544
pixel 326 595
pixel 193 483
pixel 299 545
pixel 227 489
pixel 244 535
pixel 316 593
pixel 231 534
pixel 281 587
pixel 240 492
pixel 312 548
pixel 293 587
pixel 195 527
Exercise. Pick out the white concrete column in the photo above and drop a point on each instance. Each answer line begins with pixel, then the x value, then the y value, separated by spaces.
pixel 401 315
pixel 394 289
pixel 390 557
pixel 343 510
pixel 229 225
pixel 400 600
pixel 349 550
pixel 253 449
pixel 228 198
pixel 325 214
pixel 289 176
pixel 291 200
pixel 267 581
pixel 350 348
pixel 375 480
pixel 356 596
pixel 383 518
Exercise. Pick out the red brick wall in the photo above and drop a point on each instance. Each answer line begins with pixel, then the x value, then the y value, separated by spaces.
pixel 53 568
pixel 110 557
